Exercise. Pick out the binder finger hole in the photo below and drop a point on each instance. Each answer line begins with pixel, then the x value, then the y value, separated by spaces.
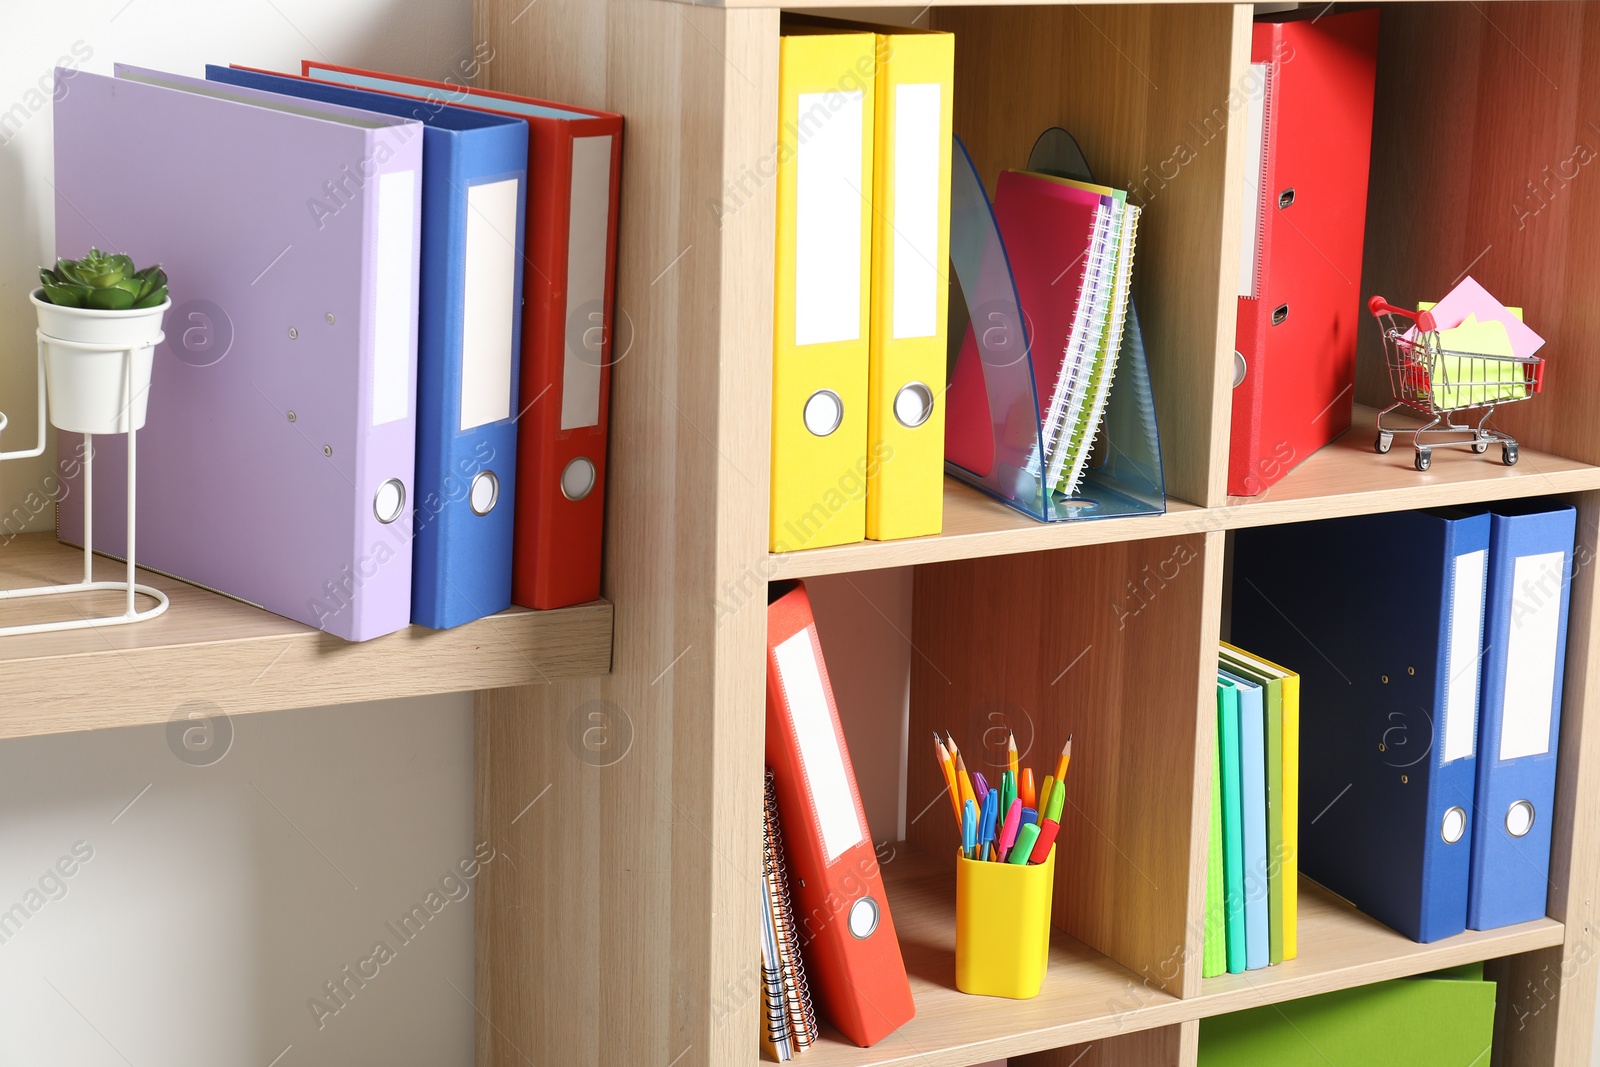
pixel 913 405
pixel 824 411
pixel 577 479
pixel 1239 368
pixel 863 918
pixel 485 492
pixel 1519 818
pixel 1455 825
pixel 390 501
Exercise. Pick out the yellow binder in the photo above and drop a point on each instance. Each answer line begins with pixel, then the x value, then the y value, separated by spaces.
pixel 820 463
pixel 910 290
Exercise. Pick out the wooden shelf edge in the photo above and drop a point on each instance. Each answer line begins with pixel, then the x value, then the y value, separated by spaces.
pixel 1344 478
pixel 213 655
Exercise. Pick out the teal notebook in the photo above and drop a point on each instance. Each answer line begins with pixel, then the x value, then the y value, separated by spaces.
pixel 1441 1020
pixel 1232 824
pixel 1214 955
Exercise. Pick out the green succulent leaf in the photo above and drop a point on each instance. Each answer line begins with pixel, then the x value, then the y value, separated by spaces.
pixel 64 295
pixel 104 281
pixel 109 299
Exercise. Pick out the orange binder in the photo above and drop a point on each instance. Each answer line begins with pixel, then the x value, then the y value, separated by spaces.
pixel 852 956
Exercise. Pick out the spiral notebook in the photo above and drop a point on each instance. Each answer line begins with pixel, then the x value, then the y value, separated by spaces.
pixel 1071 249
pixel 788 1020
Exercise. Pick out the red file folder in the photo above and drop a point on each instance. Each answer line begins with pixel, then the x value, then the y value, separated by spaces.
pixel 1294 375
pixel 574 176
pixel 852 955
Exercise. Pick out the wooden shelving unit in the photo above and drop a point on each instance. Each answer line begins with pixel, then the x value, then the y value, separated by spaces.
pixel 644 950
pixel 237 658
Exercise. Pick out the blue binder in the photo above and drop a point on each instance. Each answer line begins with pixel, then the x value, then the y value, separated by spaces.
pixel 469 343
pixel 1524 653
pixel 1382 615
pixel 1253 796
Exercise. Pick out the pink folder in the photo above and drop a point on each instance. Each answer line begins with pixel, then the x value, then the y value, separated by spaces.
pixel 282 409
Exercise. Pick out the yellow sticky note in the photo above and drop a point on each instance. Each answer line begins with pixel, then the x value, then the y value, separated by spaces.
pixel 1476 366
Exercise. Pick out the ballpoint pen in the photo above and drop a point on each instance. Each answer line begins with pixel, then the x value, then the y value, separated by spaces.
pixel 1030 799
pixel 969 830
pixel 987 823
pixel 1045 792
pixel 1029 815
pixel 980 786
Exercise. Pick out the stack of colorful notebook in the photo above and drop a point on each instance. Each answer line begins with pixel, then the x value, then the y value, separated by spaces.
pixel 788 1021
pixel 1252 861
pixel 1071 249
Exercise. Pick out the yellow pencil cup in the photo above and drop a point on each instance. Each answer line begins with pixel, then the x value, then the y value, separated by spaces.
pixel 1003 926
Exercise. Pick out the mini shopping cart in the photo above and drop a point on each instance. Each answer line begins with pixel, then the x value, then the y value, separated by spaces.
pixel 1436 383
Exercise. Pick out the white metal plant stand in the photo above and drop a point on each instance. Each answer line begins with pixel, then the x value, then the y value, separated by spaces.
pixel 127 585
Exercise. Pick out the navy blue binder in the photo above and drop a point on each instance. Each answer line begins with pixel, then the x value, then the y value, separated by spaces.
pixel 474 190
pixel 1382 615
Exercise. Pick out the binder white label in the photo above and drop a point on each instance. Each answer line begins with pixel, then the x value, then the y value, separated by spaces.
pixel 488 303
pixel 587 230
pixel 394 296
pixel 1460 726
pixel 820 758
pixel 1531 648
pixel 916 263
pixel 1254 165
pixel 827 239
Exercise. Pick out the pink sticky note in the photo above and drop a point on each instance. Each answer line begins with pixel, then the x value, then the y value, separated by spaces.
pixel 1470 298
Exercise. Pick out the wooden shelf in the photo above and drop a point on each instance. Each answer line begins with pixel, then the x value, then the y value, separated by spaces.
pixel 1340 948
pixel 1345 478
pixel 976 525
pixel 239 658
pixel 1087 997
pixel 1348 478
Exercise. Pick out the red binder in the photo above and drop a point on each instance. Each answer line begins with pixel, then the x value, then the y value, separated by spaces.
pixel 574 176
pixel 1294 372
pixel 852 955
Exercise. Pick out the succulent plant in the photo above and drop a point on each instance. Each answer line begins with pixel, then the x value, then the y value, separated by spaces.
pixel 103 282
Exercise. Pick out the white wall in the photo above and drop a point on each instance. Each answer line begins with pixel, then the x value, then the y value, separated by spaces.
pixel 215 907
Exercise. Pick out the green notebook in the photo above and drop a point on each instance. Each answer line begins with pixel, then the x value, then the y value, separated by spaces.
pixel 1272 686
pixel 1232 823
pixel 1214 958
pixel 1444 1020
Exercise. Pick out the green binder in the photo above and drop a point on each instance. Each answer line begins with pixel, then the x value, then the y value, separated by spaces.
pixel 1214 958
pixel 1443 1020
pixel 1232 823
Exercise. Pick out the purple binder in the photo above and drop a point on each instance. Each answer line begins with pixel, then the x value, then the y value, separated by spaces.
pixel 281 432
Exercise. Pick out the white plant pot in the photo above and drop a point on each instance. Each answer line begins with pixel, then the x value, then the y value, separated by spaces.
pixel 88 389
